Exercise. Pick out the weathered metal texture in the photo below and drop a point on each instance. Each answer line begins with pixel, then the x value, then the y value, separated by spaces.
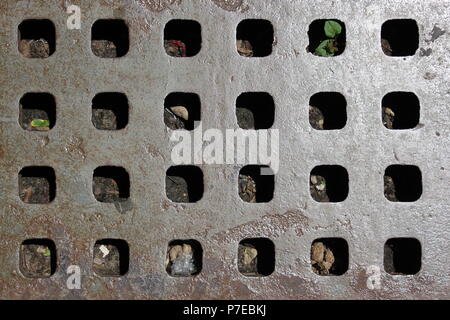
pixel 292 220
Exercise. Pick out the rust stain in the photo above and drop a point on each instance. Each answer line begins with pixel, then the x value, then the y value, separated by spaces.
pixel 231 5
pixel 157 5
pixel 75 146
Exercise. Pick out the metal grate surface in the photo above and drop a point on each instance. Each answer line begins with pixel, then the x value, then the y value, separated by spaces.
pixel 292 220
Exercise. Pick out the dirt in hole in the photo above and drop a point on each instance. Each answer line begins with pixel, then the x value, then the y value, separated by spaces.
pixel 316 118
pixel 28 115
pixel 104 119
pixel 389 189
pixel 181 260
pixel 175 48
pixel 244 48
pixel 245 118
pixel 35 190
pixel 36 260
pixel 107 260
pixel 386 47
pixel 322 258
pixel 177 189
pixel 247 188
pixel 107 190
pixel 318 188
pixel 34 48
pixel 176 117
pixel 248 259
pixel 388 117
pixel 104 48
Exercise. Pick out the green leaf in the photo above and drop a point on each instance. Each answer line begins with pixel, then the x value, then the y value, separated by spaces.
pixel 323 48
pixel 47 252
pixel 39 123
pixel 332 28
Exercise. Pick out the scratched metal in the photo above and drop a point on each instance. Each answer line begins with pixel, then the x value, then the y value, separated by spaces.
pixel 292 220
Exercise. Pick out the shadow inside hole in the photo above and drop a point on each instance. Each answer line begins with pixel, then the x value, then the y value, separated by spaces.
pixel 190 101
pixel 339 247
pixel 265 264
pixel 112 30
pixel 402 36
pixel 407 182
pixel 36 29
pixel 406 108
pixel 33 262
pixel 110 267
pixel 264 183
pixel 110 111
pixel 332 106
pixel 111 184
pixel 186 31
pixel 259 33
pixel 37 185
pixel 184 183
pixel 255 110
pixel 402 256
pixel 316 35
pixel 37 105
pixel 197 256
pixel 336 181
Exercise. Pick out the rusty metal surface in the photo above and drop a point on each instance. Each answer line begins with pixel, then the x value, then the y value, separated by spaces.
pixel 292 220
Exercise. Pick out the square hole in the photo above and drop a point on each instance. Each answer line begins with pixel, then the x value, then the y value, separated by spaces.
pixel 329 183
pixel 111 184
pixel 402 183
pixel 181 110
pixel 37 185
pixel 37 38
pixel 327 111
pixel 255 110
pixel 256 257
pixel 399 37
pixel 184 183
pixel 400 110
pixel 109 38
pixel 329 256
pixel 256 183
pixel 254 38
pixel 37 258
pixel 111 257
pixel 184 258
pixel 37 111
pixel 110 111
pixel 182 38
pixel 402 256
pixel 322 42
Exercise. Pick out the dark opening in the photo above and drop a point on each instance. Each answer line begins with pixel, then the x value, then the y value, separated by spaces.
pixel 37 106
pixel 188 32
pixel 111 184
pixel 184 183
pixel 255 110
pixel 172 116
pixel 405 107
pixel 259 34
pixel 402 256
pixel 339 251
pixel 329 183
pixel 327 111
pixel 112 259
pixel 110 111
pixel 184 258
pixel 40 30
pixel 37 258
pixel 256 183
pixel 402 36
pixel 37 184
pixel 263 263
pixel 110 38
pixel 316 34
pixel 402 183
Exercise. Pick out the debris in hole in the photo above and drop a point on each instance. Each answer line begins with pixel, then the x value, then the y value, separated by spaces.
pixel 104 48
pixel 173 121
pixel 34 119
pixel 388 117
pixel 106 190
pixel 34 190
pixel 180 111
pixel 40 124
pixel 175 48
pixel 177 189
pixel 104 119
pixel 180 260
pixel 318 188
pixel 106 260
pixel 245 118
pixel 36 261
pixel 34 48
pixel 316 118
pixel 244 47
pixel 248 259
pixel 322 258
pixel 328 47
pixel 247 188
pixel 389 188
pixel 386 47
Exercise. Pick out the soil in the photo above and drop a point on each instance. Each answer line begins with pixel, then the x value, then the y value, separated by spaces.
pixel 104 119
pixel 248 260
pixel 173 121
pixel 316 118
pixel 386 47
pixel 104 48
pixel 180 260
pixel 107 190
pixel 389 189
pixel 175 48
pixel 28 115
pixel 244 48
pixel 34 48
pixel 177 189
pixel 106 260
pixel 322 258
pixel 36 261
pixel 247 188
pixel 318 188
pixel 34 190
pixel 388 117
pixel 245 118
